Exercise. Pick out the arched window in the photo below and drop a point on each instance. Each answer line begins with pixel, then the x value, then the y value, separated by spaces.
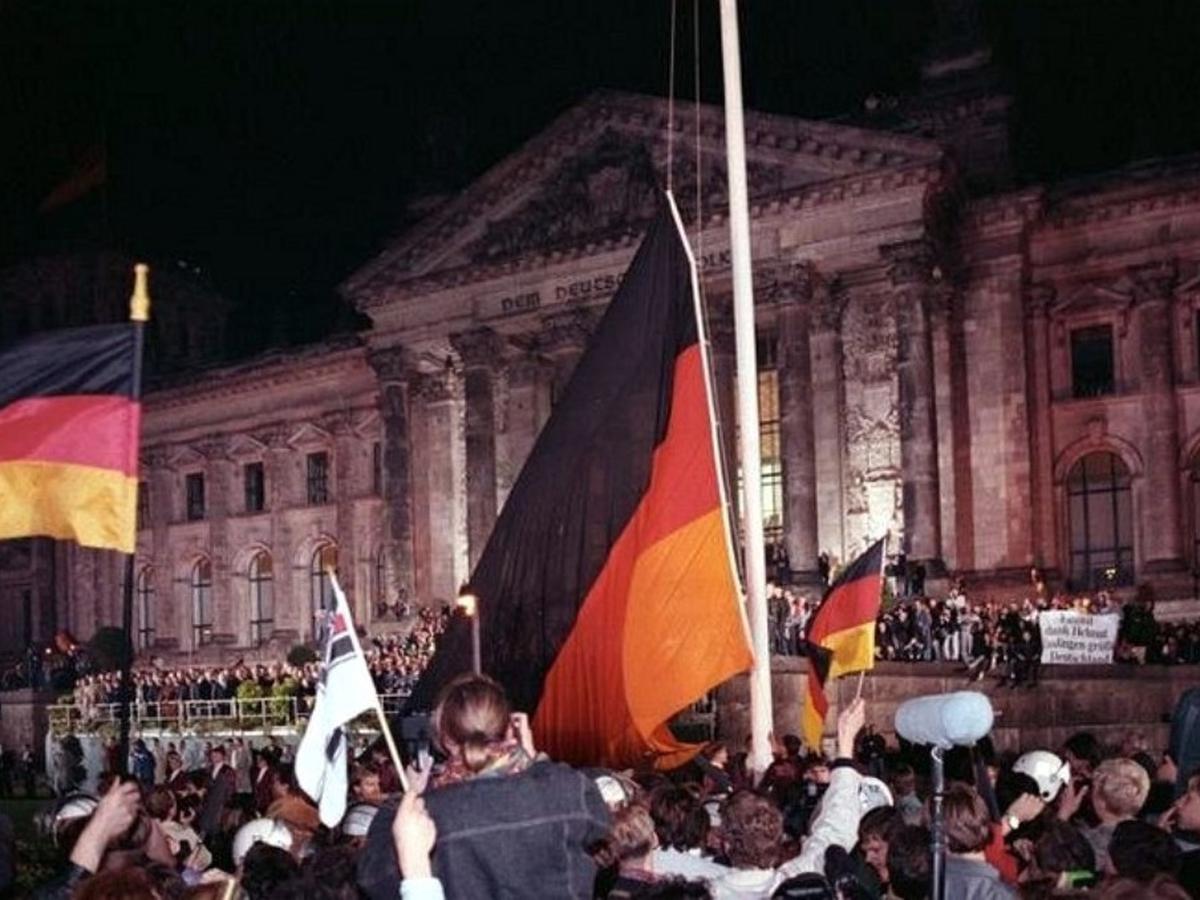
pixel 202 603
pixel 321 590
pixel 1100 512
pixel 144 588
pixel 262 598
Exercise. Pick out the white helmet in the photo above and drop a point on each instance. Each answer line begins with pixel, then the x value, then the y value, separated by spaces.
pixel 1048 770
pixel 271 832
pixel 358 819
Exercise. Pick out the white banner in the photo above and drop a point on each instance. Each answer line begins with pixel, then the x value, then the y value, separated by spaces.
pixel 1073 637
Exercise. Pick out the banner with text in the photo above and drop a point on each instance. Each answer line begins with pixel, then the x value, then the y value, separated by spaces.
pixel 1074 637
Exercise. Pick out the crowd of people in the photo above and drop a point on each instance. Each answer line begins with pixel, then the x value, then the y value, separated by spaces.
pixel 992 635
pixel 493 817
pixel 395 661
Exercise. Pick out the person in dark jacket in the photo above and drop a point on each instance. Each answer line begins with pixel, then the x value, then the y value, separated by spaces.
pixel 508 823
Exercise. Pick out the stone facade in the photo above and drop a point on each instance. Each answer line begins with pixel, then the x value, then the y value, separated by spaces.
pixel 1002 380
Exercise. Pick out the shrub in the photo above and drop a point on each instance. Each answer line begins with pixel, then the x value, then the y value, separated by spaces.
pixel 301 655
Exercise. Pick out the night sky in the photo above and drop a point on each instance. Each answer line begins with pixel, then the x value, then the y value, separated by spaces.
pixel 277 144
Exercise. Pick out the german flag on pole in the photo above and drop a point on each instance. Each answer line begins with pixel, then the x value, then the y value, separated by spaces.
pixel 607 594
pixel 69 437
pixel 841 634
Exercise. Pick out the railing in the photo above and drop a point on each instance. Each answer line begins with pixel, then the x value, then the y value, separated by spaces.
pixel 234 714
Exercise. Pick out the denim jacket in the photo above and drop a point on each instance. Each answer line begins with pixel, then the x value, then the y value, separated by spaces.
pixel 519 836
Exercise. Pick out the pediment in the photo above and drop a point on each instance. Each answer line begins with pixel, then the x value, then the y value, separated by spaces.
pixel 1086 298
pixel 186 457
pixel 244 448
pixel 310 437
pixel 592 178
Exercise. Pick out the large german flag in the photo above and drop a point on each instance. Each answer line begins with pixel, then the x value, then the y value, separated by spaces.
pixel 841 634
pixel 606 591
pixel 69 437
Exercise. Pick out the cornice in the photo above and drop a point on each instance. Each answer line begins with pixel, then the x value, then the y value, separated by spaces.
pixel 806 197
pixel 1126 195
pixel 836 146
pixel 249 378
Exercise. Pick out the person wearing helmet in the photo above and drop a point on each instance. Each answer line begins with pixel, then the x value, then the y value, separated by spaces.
pixel 271 832
pixel 1047 769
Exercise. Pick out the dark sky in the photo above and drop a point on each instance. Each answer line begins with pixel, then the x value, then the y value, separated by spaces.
pixel 276 144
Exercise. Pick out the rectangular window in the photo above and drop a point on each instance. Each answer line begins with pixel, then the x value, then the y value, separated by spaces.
pixel 255 484
pixel 1092 370
pixel 194 484
pixel 377 469
pixel 769 437
pixel 318 478
pixel 143 505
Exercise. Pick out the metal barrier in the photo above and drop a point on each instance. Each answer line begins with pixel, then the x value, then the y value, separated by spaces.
pixel 259 713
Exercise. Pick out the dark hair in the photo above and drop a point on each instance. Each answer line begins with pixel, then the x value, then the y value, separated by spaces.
pixel 1061 847
pixel 882 822
pixel 968 827
pixel 910 863
pixel 1010 785
pixel 264 869
pixel 679 818
pixel 159 803
pixel 1083 745
pixel 1141 850
pixel 130 883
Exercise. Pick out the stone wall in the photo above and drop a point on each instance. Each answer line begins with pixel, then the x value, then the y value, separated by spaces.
pixel 1107 700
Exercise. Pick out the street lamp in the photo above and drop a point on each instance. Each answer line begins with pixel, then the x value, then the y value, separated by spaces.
pixel 469 604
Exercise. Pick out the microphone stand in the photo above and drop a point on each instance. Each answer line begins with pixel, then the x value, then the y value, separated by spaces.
pixel 937 834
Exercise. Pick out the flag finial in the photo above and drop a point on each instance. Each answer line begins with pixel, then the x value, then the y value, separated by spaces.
pixel 139 303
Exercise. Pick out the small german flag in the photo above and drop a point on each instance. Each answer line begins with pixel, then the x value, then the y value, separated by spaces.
pixel 841 634
pixel 69 428
pixel 608 598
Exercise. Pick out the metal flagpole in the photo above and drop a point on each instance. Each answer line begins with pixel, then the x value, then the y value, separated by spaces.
pixel 747 393
pixel 139 314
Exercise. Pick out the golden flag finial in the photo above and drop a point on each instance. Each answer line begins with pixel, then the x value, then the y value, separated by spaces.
pixel 139 303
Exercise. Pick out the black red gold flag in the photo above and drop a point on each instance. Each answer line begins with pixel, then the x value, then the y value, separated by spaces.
pixel 69 437
pixel 607 595
pixel 841 634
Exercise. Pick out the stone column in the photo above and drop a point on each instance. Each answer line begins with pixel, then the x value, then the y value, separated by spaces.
pixel 561 340
pixel 345 445
pixel 1041 431
pixel 825 348
pixel 909 268
pixel 530 386
pixel 434 486
pixel 394 369
pixel 480 351
pixel 794 293
pixel 941 317
pixel 1160 513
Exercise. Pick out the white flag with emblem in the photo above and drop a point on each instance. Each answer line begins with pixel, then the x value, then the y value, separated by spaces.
pixel 344 691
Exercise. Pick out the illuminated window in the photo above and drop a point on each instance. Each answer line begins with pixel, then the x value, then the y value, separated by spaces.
pixel 1100 512
pixel 202 603
pixel 262 598
pixel 320 586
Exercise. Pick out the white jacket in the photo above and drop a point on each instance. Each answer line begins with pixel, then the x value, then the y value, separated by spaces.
pixel 835 824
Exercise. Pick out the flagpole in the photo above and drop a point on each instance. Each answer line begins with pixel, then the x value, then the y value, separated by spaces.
pixel 747 393
pixel 139 314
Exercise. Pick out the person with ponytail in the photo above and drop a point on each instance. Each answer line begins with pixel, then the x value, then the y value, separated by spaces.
pixel 478 732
